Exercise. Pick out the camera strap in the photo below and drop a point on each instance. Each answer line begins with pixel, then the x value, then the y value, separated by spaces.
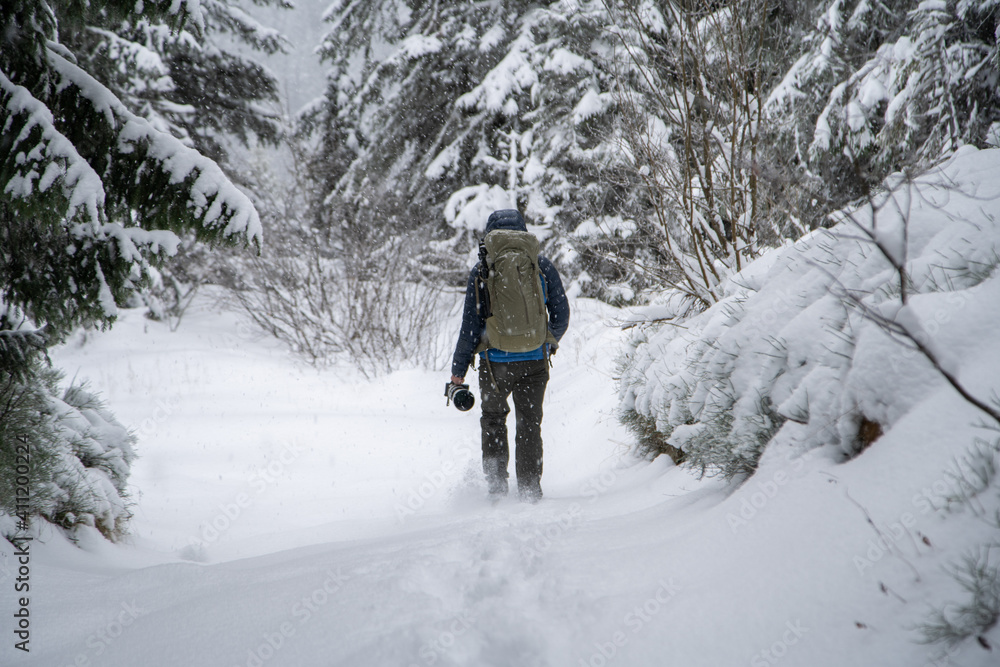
pixel 489 370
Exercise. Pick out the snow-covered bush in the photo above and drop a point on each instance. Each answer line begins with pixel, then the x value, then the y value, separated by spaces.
pixel 356 297
pixel 884 86
pixel 371 310
pixel 792 354
pixel 977 573
pixel 79 454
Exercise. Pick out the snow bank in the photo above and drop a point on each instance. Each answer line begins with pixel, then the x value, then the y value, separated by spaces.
pixel 790 355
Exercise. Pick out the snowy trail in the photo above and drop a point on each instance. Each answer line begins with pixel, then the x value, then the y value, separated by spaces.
pixel 478 590
pixel 287 517
pixel 271 477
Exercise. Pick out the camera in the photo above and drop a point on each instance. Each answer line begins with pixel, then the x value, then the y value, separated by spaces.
pixel 460 395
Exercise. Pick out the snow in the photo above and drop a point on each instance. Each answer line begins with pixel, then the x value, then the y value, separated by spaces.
pixel 84 188
pixel 613 225
pixel 534 170
pixel 317 559
pixel 445 160
pixel 787 91
pixel 191 8
pixel 491 38
pixel 104 296
pixel 470 207
pixel 993 136
pixel 127 53
pixel 591 104
pixel 565 62
pixel 512 75
pixel 419 45
pixel 288 516
pixel 871 92
pixel 823 134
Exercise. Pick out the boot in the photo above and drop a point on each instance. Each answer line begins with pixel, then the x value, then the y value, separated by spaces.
pixel 496 479
pixel 529 491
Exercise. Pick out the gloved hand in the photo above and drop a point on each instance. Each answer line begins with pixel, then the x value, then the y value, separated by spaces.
pixel 458 392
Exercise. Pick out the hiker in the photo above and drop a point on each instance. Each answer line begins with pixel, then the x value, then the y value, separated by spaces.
pixel 516 311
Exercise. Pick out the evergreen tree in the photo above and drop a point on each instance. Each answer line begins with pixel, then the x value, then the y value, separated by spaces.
pixel 186 78
pixel 887 86
pixel 438 114
pixel 201 82
pixel 91 195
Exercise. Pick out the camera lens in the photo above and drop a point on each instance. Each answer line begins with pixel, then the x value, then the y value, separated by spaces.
pixel 463 399
pixel 460 395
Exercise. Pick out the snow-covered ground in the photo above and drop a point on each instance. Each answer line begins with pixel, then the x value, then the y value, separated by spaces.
pixel 289 516
pixel 247 454
pixel 286 516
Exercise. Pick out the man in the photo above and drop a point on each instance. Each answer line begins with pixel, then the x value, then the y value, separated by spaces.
pixel 503 372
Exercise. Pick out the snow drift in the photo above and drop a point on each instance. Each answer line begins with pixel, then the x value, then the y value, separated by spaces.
pixel 792 355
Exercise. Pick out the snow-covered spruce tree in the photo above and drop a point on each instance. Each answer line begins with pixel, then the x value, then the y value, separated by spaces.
pixel 189 79
pixel 196 81
pixel 884 86
pixel 91 195
pixel 439 112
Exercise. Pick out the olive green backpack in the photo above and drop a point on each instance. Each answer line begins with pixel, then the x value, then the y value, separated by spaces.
pixel 517 320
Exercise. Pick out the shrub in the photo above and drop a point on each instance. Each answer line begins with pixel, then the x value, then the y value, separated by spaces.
pixel 79 454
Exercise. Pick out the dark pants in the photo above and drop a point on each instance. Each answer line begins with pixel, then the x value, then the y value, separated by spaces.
pixel 526 380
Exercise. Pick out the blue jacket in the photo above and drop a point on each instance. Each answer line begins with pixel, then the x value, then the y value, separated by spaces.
pixel 474 324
